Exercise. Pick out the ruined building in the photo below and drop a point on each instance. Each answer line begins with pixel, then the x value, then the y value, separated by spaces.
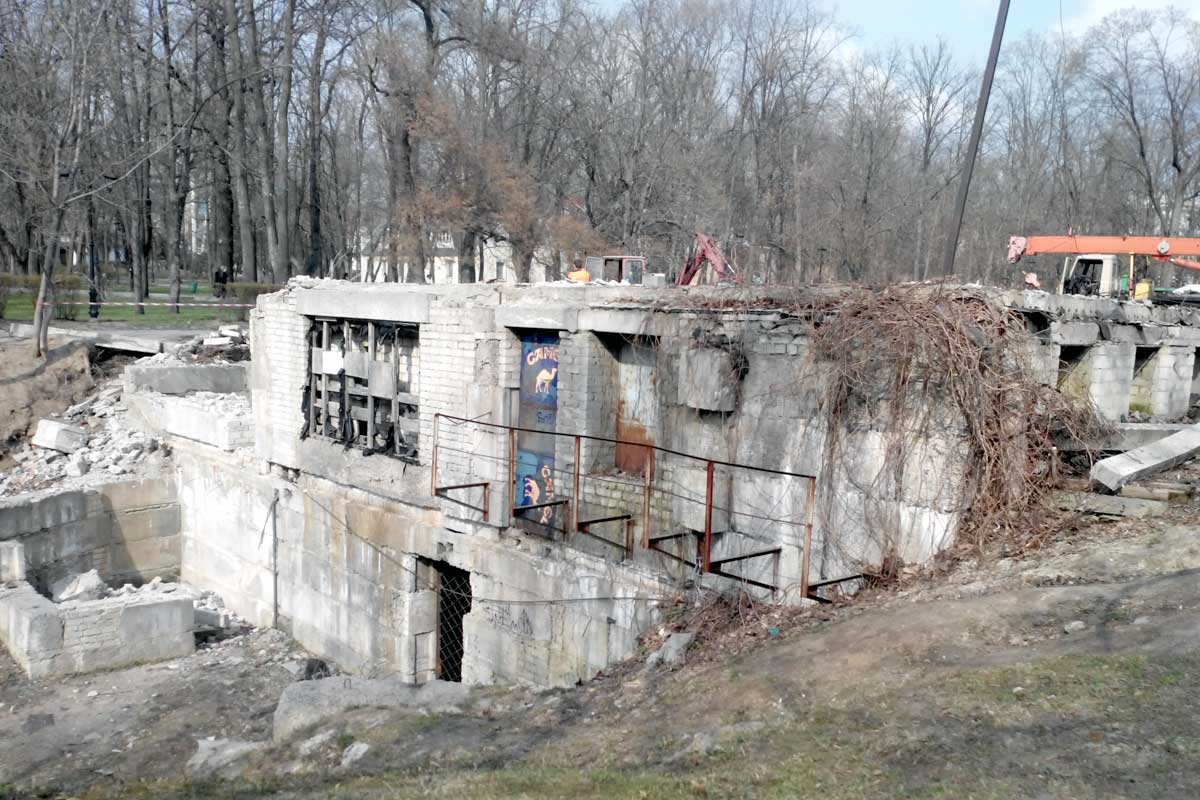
pixel 510 484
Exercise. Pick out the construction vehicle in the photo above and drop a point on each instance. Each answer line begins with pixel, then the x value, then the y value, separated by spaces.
pixel 704 253
pixel 627 269
pixel 1093 263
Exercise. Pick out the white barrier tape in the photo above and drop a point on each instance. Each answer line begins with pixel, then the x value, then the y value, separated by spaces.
pixel 180 304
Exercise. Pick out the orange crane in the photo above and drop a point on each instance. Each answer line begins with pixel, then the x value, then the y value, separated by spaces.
pixel 1095 269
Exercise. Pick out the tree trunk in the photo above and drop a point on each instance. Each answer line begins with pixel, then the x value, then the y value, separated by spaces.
pixel 280 259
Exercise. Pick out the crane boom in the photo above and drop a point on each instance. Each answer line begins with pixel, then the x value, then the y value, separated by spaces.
pixel 1156 246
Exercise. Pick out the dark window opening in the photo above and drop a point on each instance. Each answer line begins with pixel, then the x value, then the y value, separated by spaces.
pixel 1069 357
pixel 1141 358
pixel 454 602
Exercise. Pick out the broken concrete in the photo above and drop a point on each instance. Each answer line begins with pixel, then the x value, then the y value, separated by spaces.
pixel 1108 505
pixel 87 586
pixel 177 379
pixel 1113 473
pixel 673 650
pixel 221 758
pixel 60 436
pixel 308 703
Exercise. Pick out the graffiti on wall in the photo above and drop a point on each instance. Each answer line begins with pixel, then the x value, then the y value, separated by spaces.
pixel 538 411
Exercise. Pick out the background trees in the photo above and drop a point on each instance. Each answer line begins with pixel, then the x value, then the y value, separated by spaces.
pixel 276 137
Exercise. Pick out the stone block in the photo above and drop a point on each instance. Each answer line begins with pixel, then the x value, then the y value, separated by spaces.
pixel 12 561
pixel 708 379
pixel 59 436
pixel 1139 335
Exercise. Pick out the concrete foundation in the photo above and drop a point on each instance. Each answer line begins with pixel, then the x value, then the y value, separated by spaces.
pixel 220 421
pixel 49 639
pixel 126 531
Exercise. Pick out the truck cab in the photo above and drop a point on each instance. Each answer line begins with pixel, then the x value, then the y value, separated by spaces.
pixel 1091 274
pixel 616 268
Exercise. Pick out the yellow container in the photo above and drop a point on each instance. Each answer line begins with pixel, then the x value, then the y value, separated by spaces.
pixel 1143 290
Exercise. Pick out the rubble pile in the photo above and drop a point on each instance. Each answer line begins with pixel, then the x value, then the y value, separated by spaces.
pixel 210 610
pixel 94 443
pixel 227 343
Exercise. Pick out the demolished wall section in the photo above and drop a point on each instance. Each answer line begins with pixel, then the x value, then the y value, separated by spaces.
pixel 126 531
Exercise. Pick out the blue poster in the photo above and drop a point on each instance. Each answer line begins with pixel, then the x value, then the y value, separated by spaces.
pixel 537 411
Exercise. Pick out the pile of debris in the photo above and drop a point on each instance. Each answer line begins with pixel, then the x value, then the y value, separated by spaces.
pixel 227 343
pixel 94 443
pixel 211 614
pixel 90 586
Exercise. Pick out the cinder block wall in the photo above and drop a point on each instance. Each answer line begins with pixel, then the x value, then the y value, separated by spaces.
pixel 126 531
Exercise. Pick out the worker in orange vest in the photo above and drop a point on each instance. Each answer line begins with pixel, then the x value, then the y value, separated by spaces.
pixel 579 274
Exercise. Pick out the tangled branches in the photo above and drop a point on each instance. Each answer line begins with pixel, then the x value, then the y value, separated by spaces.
pixel 918 364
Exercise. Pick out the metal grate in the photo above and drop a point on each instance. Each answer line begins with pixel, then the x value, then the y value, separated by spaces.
pixel 362 388
pixel 454 603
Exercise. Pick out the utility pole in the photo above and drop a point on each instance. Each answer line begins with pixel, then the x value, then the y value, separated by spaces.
pixel 964 185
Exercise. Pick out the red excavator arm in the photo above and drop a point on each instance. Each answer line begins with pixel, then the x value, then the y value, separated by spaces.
pixel 707 251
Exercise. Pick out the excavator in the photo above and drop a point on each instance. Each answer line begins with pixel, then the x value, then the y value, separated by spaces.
pixel 631 269
pixel 707 252
pixel 1092 263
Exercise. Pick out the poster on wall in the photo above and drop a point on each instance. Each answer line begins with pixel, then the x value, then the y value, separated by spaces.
pixel 537 411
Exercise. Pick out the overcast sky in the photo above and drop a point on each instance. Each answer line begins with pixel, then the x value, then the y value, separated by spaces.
pixel 967 24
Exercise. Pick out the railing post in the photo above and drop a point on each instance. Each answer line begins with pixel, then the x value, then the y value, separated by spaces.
pixel 649 475
pixel 575 491
pixel 706 545
pixel 433 465
pixel 512 472
pixel 487 502
pixel 808 531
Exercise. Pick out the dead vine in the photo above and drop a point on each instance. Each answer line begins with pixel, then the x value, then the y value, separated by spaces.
pixel 919 364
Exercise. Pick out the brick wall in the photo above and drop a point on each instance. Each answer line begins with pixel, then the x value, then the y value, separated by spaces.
pixel 279 341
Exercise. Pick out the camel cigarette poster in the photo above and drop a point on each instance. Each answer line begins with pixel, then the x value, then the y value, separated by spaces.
pixel 538 411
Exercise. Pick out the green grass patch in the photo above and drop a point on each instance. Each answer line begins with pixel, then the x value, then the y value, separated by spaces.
pixel 1070 685
pixel 20 308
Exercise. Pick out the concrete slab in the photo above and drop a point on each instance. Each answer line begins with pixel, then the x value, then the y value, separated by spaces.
pixel 306 703
pixel 1130 436
pixel 182 379
pixel 110 337
pixel 54 435
pixel 1115 472
pixel 12 561
pixel 538 317
pixel 392 303
pixel 1109 506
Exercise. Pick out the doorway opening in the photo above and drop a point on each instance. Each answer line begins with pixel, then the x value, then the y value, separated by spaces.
pixel 454 601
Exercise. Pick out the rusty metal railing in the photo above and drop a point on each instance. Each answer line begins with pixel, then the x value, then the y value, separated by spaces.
pixel 573 525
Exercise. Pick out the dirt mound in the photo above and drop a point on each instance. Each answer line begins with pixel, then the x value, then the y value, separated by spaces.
pixel 32 388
